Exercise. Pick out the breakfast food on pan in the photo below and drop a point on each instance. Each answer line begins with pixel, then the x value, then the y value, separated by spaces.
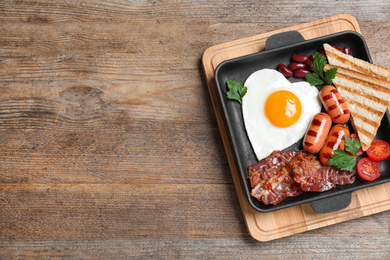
pixel 317 75
pixel 379 150
pixel 272 180
pixel 268 167
pixel 317 133
pixel 368 167
pixel 338 58
pixel 334 141
pixel 373 166
pixel 275 107
pixel 367 99
pixel 313 176
pixel 284 175
pixel 236 90
pixel 334 104
pixel 278 113
pixel 286 71
pixel 298 68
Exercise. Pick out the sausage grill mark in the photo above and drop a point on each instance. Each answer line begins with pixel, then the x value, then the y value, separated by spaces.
pixel 340 101
pixel 327 97
pixel 331 144
pixel 312 133
pixel 316 122
pixel 327 155
pixel 317 132
pixel 338 134
pixel 345 111
pixel 334 104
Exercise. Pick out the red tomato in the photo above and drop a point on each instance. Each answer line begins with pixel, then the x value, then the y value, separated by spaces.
pixel 379 150
pixel 356 137
pixel 368 169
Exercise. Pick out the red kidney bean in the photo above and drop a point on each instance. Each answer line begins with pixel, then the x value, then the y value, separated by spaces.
pixel 296 66
pixel 307 63
pixel 284 70
pixel 311 57
pixel 300 73
pixel 338 48
pixel 299 58
pixel 347 50
pixel 323 52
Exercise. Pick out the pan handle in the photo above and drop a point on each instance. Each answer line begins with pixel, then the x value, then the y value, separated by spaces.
pixel 283 39
pixel 332 204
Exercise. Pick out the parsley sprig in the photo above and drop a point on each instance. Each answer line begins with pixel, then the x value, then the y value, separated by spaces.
pixel 236 90
pixel 318 76
pixel 343 160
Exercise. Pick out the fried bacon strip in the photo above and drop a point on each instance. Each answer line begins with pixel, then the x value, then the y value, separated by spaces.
pixel 277 188
pixel 312 176
pixel 272 178
pixel 283 175
pixel 270 166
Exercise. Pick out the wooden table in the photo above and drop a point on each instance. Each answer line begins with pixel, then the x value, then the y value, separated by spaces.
pixel 109 145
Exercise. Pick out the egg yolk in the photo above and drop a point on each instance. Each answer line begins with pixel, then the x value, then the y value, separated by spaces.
pixel 283 108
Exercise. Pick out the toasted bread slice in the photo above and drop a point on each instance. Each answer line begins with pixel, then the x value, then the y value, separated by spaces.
pixel 338 58
pixel 352 73
pixel 367 99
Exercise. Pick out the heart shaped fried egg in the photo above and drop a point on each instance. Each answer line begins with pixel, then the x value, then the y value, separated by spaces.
pixel 277 112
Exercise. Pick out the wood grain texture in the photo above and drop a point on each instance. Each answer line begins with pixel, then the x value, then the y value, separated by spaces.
pixel 108 137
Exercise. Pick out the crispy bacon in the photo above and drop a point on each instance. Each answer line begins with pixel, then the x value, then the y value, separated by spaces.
pixel 283 175
pixel 268 167
pixel 312 176
pixel 277 188
pixel 272 179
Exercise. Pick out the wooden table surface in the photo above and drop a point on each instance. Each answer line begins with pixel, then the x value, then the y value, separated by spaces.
pixel 109 145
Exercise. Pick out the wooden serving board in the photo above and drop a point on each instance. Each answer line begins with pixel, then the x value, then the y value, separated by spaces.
pixel 297 219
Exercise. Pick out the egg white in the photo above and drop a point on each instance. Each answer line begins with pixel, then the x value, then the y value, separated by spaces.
pixel 264 136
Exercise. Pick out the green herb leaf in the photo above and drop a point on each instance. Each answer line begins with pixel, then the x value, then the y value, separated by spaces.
pixel 318 64
pixel 318 77
pixel 342 160
pixel 330 75
pixel 352 145
pixel 314 79
pixel 236 90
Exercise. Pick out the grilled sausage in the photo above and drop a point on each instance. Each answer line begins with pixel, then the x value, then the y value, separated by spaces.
pixel 317 133
pixel 334 104
pixel 334 141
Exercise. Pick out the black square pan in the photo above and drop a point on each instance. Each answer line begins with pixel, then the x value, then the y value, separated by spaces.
pixel 279 49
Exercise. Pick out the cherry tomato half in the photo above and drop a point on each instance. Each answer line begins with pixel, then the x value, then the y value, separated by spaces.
pixel 356 137
pixel 368 169
pixel 379 150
